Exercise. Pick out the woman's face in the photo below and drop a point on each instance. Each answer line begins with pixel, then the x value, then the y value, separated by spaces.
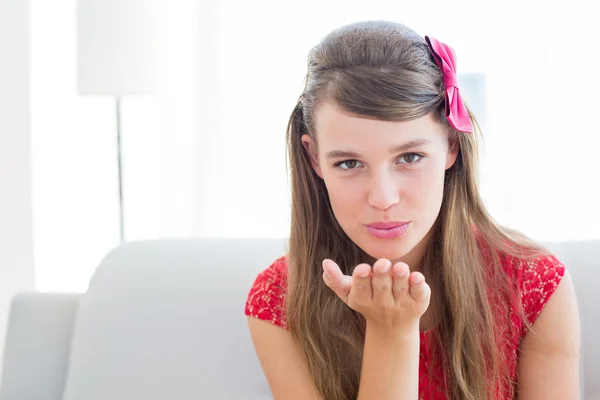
pixel 385 180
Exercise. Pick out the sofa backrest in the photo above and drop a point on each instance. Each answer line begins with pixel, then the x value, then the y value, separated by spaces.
pixel 164 319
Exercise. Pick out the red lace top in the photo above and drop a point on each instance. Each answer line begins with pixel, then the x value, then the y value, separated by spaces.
pixel 535 281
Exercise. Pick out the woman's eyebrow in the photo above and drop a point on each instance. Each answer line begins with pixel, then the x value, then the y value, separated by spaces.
pixel 409 145
pixel 395 149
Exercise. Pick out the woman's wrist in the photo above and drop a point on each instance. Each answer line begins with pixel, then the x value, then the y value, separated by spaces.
pixel 403 332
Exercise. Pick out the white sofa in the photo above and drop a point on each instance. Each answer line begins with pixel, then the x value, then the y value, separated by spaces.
pixel 165 320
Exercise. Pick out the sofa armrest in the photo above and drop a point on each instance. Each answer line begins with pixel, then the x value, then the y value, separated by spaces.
pixel 37 346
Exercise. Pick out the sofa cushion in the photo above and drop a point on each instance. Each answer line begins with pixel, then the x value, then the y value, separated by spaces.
pixel 165 320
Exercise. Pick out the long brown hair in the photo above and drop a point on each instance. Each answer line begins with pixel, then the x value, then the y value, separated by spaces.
pixel 384 70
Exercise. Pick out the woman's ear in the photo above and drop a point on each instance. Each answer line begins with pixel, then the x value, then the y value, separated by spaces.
pixel 452 154
pixel 311 149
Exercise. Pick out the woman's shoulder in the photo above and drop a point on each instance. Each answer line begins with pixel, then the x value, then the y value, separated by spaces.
pixel 266 299
pixel 535 273
pixel 535 278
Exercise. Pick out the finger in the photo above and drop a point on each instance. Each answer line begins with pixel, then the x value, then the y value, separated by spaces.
pixel 419 289
pixel 361 290
pixel 336 280
pixel 382 281
pixel 400 273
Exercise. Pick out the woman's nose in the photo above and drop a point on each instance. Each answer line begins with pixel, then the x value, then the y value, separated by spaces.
pixel 384 191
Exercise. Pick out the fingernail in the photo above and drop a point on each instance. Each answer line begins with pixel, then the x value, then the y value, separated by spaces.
pixel 402 272
pixel 418 279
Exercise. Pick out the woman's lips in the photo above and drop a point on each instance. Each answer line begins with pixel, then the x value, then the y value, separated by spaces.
pixel 388 230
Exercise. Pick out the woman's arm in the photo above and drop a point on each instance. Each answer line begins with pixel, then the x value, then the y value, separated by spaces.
pixel 390 366
pixel 549 358
pixel 281 361
pixel 392 300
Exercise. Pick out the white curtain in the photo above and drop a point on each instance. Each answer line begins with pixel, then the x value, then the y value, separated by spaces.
pixel 207 155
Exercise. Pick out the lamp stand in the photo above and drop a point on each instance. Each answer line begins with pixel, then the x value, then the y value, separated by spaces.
pixel 120 171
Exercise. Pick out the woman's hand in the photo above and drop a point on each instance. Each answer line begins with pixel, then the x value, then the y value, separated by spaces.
pixel 391 298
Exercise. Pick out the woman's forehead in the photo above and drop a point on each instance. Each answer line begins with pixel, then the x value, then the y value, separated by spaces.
pixel 337 128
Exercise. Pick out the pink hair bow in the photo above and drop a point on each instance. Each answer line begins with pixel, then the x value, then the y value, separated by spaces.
pixel 456 111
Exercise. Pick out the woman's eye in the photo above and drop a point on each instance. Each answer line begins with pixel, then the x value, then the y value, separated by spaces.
pixel 348 164
pixel 411 158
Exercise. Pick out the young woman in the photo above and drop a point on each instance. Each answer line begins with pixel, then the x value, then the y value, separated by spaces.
pixel 398 284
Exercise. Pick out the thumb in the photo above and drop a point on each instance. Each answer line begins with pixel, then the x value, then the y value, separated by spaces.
pixel 336 280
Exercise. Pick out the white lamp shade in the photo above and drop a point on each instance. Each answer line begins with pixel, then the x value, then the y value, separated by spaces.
pixel 116 47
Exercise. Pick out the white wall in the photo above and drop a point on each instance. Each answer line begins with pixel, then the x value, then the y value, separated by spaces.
pixel 541 133
pixel 16 236
pixel 74 158
pixel 74 148
pixel 211 146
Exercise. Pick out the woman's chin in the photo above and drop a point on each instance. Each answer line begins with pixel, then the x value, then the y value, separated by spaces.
pixel 388 249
